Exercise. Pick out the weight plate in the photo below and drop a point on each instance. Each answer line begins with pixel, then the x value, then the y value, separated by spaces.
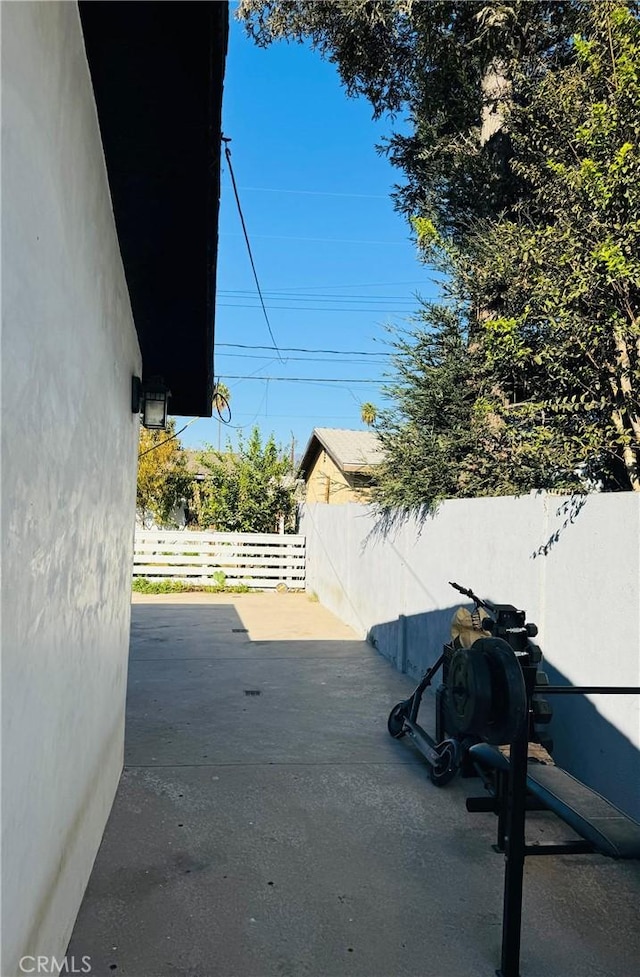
pixel 509 696
pixel 468 691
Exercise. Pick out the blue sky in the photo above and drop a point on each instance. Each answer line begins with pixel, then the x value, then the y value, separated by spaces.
pixel 334 260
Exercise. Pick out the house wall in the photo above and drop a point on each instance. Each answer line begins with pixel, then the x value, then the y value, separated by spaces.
pixel 328 483
pixel 575 569
pixel 69 444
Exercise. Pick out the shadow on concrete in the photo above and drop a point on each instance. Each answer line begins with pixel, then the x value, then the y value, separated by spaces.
pixel 266 825
pixel 585 743
pixel 202 691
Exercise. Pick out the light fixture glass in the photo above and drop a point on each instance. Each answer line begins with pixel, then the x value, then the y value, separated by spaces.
pixel 154 410
pixel 151 398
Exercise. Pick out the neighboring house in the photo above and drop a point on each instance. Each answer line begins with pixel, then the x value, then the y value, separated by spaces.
pixel 179 518
pixel 337 465
pixel 197 466
pixel 110 187
pixel 196 462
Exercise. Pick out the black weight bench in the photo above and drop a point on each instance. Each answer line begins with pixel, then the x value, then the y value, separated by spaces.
pixel 494 694
pixel 604 828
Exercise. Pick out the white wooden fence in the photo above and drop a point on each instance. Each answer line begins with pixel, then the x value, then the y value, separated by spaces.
pixel 257 560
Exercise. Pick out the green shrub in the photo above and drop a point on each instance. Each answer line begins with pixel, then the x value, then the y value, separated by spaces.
pixel 142 585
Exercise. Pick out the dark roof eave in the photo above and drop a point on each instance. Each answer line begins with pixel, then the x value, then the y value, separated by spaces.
pixel 314 446
pixel 157 70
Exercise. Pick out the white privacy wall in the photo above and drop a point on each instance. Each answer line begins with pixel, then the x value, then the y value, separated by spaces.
pixel 69 444
pixel 574 568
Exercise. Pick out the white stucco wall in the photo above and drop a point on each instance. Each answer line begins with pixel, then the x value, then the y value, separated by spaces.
pixel 582 589
pixel 69 444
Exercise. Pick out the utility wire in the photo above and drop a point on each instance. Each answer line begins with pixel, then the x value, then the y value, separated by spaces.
pixel 228 376
pixel 323 240
pixel 304 417
pixel 256 372
pixel 220 397
pixel 300 308
pixel 282 295
pixel 227 153
pixel 170 438
pixel 307 359
pixel 302 349
pixel 312 288
pixel 319 193
pixel 254 418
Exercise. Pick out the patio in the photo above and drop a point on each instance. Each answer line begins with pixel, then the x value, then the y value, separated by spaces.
pixel 266 825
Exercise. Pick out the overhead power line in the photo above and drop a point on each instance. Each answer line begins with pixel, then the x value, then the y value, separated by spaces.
pixel 318 193
pixel 229 376
pixel 324 240
pixel 302 349
pixel 312 288
pixel 304 417
pixel 350 361
pixel 171 437
pixel 303 308
pixel 227 153
pixel 282 296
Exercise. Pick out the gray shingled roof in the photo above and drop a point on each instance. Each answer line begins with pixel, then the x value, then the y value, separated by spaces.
pixel 352 451
pixel 195 466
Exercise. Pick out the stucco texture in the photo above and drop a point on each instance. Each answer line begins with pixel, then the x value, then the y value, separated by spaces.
pixel 326 482
pixel 69 442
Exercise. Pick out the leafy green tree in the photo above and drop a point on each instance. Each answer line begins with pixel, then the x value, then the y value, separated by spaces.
pixel 521 169
pixel 558 275
pixel 426 436
pixel 449 66
pixel 248 490
pixel 164 482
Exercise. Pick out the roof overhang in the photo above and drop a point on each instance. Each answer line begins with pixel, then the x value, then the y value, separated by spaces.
pixel 317 444
pixel 157 70
pixel 311 452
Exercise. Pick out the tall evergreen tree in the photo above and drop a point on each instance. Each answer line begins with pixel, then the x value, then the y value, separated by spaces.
pixel 449 66
pixel 521 168
pixel 559 273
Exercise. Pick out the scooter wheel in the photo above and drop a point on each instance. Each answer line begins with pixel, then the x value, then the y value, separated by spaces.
pixel 395 722
pixel 448 765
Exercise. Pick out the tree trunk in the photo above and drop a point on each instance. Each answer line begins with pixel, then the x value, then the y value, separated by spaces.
pixel 623 389
pixel 628 454
pixel 496 95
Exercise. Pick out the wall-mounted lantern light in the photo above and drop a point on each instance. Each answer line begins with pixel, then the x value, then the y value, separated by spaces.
pixel 150 398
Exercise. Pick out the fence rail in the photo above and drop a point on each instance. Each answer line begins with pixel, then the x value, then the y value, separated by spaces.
pixel 257 560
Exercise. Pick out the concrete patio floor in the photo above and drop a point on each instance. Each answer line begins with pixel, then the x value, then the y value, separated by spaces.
pixel 284 833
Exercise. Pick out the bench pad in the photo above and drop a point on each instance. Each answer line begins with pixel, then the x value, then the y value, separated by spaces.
pixel 592 816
